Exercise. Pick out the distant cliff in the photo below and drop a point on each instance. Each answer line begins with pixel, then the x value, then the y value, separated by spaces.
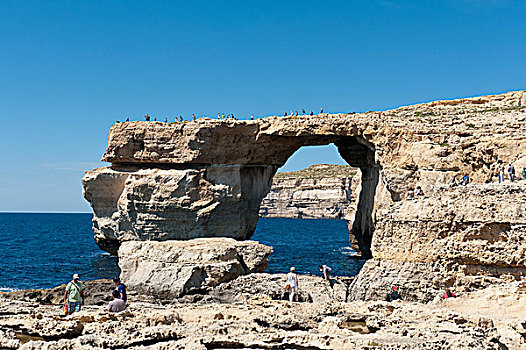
pixel 321 191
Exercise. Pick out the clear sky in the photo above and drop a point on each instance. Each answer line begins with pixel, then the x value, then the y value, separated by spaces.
pixel 69 69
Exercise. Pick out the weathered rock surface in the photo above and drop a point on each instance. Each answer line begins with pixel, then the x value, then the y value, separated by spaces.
pixel 467 237
pixel 425 145
pixel 489 319
pixel 175 268
pixel 321 191
pixel 131 203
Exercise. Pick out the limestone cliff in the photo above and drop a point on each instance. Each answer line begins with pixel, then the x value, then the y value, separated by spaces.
pixel 321 191
pixel 207 179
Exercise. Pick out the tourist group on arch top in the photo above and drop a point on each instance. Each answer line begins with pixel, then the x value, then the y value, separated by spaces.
pixel 220 116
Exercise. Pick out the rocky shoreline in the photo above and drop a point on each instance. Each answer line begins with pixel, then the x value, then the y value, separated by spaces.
pixel 180 201
pixel 249 313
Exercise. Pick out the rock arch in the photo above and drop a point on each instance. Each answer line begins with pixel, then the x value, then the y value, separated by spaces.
pixel 160 192
pixel 206 179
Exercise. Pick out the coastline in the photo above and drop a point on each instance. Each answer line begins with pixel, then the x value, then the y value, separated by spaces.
pixel 247 313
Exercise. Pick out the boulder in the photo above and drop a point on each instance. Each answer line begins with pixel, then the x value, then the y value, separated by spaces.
pixel 176 268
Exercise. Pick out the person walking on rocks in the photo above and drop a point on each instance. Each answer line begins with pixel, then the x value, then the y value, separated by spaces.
pixel 501 173
pixel 117 304
pixel 74 295
pixel 292 284
pixel 511 172
pixel 326 271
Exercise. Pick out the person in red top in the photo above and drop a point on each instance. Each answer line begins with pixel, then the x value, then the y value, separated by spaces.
pixel 448 294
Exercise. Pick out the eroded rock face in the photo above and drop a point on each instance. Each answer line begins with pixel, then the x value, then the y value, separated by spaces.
pixel 425 145
pixel 130 203
pixel 468 237
pixel 321 191
pixel 175 268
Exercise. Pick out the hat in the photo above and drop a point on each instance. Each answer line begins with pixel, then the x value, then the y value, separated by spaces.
pixel 76 276
pixel 395 288
pixel 292 269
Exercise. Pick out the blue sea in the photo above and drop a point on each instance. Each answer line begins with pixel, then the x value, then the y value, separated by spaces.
pixel 44 250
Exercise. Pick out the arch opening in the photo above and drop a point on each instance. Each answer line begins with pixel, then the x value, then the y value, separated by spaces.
pixel 352 220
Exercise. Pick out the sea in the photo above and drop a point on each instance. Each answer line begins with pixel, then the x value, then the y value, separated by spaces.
pixel 43 250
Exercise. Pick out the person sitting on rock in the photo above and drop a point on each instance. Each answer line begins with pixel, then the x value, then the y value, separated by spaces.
pixel 121 289
pixel 394 295
pixel 325 270
pixel 147 117
pixel 524 173
pixel 448 294
pixel 419 192
pixel 117 304
pixel 410 193
pixel 453 182
pixel 292 284
pixel 311 112
pixel 465 180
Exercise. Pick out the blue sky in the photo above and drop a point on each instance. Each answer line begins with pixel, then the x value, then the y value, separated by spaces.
pixel 69 69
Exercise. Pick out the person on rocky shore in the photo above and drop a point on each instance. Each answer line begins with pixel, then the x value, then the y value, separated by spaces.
pixel 326 271
pixel 524 173
pixel 448 294
pixel 500 169
pixel 465 180
pixel 394 295
pixel 117 304
pixel 511 172
pixel 292 284
pixel 419 191
pixel 74 295
pixel 410 193
pixel 121 289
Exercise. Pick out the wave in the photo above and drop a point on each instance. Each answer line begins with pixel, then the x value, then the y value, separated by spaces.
pixel 348 251
pixel 8 290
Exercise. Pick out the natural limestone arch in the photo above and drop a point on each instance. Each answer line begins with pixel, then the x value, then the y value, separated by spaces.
pixel 178 181
pixel 151 192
